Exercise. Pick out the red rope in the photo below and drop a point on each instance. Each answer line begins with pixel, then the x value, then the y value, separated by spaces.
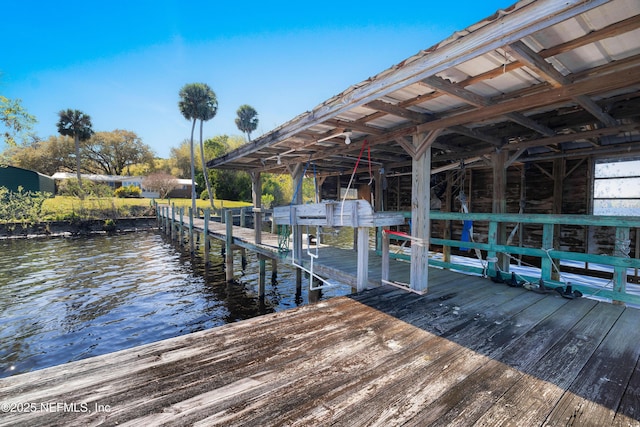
pixel 355 168
pixel 396 233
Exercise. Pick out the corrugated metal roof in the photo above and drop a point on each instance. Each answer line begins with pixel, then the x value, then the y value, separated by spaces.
pixel 530 73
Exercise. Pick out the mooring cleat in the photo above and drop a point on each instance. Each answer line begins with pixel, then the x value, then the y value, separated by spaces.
pixel 541 288
pixel 514 283
pixel 568 292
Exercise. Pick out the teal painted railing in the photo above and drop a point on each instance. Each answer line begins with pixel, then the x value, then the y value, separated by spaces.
pixel 619 260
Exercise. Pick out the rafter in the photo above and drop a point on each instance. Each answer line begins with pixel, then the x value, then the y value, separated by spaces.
pixel 613 81
pixel 405 113
pixel 612 30
pixel 354 125
pixel 543 68
pixel 480 101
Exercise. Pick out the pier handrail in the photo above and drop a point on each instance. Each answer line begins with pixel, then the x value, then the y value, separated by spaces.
pixel 619 259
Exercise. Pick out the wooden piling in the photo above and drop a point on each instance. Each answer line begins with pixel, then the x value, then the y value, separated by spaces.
pixel 243 258
pixel 167 230
pixel 228 246
pixel 257 225
pixel 172 234
pixel 181 226
pixel 191 240
pixel 205 235
pixel 261 276
pixel 274 270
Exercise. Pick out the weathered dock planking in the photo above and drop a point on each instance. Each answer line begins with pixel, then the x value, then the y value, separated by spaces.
pixel 338 264
pixel 470 352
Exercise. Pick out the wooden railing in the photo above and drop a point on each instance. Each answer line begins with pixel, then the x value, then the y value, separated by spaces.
pixel 490 247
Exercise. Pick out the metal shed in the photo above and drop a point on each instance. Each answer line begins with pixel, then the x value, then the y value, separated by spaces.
pixel 13 177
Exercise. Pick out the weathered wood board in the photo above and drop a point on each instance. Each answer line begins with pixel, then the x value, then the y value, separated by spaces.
pixel 470 352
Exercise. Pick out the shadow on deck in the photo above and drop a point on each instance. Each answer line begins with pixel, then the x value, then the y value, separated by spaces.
pixel 469 352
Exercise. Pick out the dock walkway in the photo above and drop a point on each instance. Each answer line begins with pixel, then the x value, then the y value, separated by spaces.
pixel 470 352
pixel 336 263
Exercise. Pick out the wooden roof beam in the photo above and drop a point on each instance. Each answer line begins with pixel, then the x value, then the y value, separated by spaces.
pixel 543 68
pixel 595 84
pixel 481 101
pixel 354 125
pixel 475 134
pixel 395 110
pixel 420 118
pixel 612 30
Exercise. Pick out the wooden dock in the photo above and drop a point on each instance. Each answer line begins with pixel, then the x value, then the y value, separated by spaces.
pixel 336 263
pixel 470 352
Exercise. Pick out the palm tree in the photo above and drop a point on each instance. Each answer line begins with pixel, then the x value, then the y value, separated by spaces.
pixel 247 120
pixel 198 102
pixel 77 124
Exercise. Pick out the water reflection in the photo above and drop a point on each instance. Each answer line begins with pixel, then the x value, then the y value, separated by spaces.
pixel 67 299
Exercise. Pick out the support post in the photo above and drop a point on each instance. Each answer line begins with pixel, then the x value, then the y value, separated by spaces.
pixel 492 254
pixel 499 203
pixel 261 276
pixel 559 170
pixel 420 208
pixel 167 225
pixel 378 204
pixel 621 250
pixel 297 176
pixel 446 233
pixel 207 216
pixel 173 222
pixel 243 220
pixel 191 240
pixel 637 251
pixel 363 258
pixel 181 211
pixel 256 194
pixel 385 256
pixel 243 258
pixel 274 269
pixel 546 263
pixel 228 257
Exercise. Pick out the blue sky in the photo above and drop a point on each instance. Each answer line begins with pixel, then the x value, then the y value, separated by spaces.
pixel 124 62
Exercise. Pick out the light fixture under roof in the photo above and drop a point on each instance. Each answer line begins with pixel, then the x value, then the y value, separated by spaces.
pixel 347 137
pixel 346 133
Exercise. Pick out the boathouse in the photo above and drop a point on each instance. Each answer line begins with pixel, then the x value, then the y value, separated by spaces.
pixel 13 178
pixel 514 140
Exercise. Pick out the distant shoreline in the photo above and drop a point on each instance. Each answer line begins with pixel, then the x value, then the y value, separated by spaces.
pixel 71 228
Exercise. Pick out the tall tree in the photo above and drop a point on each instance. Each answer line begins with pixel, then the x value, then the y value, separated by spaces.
pixel 198 102
pixel 77 124
pixel 15 119
pixel 247 120
pixel 180 160
pixel 112 153
pixel 47 157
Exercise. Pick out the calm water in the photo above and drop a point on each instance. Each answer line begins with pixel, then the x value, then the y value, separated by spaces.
pixel 67 299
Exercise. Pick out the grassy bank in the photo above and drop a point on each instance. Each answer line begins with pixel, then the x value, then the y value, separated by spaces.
pixel 62 208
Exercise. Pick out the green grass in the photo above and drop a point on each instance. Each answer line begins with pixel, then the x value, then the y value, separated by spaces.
pixel 66 207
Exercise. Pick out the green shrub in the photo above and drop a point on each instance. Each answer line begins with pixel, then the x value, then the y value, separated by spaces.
pixel 267 201
pixel 21 206
pixel 71 187
pixel 128 191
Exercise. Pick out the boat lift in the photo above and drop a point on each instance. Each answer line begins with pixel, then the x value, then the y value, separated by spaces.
pixel 349 213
